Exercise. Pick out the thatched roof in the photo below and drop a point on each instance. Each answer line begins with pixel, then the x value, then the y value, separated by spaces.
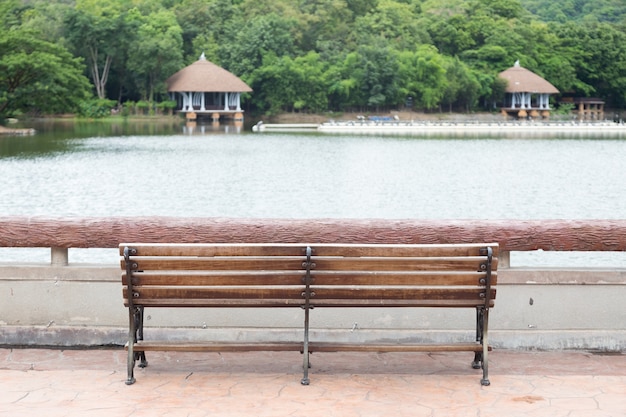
pixel 205 76
pixel 521 80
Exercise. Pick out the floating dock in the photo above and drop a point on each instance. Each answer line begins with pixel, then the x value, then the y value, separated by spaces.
pixel 452 128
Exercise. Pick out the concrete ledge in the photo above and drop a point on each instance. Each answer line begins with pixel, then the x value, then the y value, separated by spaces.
pixel 538 308
pixel 60 337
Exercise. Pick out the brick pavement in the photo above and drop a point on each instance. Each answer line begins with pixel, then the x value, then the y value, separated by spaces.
pixel 55 383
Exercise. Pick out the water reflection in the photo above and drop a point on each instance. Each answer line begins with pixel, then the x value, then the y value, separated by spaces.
pixel 56 136
pixel 31 146
pixel 195 128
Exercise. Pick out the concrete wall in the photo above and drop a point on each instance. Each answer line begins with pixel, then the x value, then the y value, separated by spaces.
pixel 534 309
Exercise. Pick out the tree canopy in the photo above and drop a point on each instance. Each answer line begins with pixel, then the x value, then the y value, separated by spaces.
pixel 38 76
pixel 312 55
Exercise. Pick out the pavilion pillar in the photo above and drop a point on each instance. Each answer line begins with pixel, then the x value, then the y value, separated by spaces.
pixel 542 101
pixel 188 101
pixel 202 107
pixel 226 102
pixel 581 110
pixel 601 111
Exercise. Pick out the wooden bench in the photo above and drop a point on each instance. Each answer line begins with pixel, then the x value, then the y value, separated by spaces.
pixel 308 276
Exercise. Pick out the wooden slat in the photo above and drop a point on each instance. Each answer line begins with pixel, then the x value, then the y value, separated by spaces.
pixel 202 250
pixel 397 293
pixel 357 303
pixel 199 346
pixel 214 302
pixel 246 303
pixel 398 264
pixel 202 293
pixel 401 250
pixel 213 278
pixel 298 249
pixel 224 278
pixel 186 346
pixel 387 347
pixel 427 278
pixel 217 263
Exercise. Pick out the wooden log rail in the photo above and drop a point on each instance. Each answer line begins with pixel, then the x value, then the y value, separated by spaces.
pixel 512 235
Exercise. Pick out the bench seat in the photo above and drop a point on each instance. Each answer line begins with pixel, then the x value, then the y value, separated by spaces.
pixel 307 276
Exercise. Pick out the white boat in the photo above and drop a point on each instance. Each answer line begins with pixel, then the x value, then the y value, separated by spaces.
pixel 284 127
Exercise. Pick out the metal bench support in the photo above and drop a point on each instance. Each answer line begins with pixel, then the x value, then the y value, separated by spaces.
pixel 307 307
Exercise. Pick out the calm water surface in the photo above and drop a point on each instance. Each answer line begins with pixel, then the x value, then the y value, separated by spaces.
pixel 234 173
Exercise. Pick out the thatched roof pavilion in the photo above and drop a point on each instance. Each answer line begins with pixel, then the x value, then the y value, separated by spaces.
pixel 526 92
pixel 204 87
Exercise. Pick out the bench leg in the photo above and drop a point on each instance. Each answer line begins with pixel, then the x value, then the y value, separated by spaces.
pixel 135 333
pixel 142 355
pixel 477 363
pixel 307 308
pixel 485 343
pixel 132 338
pixel 305 350
pixel 480 358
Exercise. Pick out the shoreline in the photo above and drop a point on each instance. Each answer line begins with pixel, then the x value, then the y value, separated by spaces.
pixel 16 132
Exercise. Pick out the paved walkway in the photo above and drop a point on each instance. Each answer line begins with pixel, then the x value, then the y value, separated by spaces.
pixel 90 383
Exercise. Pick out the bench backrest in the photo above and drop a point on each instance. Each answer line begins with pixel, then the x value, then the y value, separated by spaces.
pixel 206 275
pixel 315 275
pixel 404 275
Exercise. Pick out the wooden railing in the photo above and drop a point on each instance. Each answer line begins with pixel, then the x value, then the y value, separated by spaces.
pixel 59 234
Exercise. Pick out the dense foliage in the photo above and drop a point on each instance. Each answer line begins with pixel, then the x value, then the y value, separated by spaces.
pixel 309 55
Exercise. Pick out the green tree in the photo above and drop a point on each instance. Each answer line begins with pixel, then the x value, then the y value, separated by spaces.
pixel 274 83
pixel 204 24
pixel 361 7
pixel 47 19
pixel 263 34
pixel 370 77
pixel 11 13
pixel 287 84
pixel 577 10
pixel 462 88
pixel 312 87
pixel 95 29
pixel 448 37
pixel 508 9
pixel 38 76
pixel 597 54
pixel 422 75
pixel 324 24
pixel 156 53
pixel 394 21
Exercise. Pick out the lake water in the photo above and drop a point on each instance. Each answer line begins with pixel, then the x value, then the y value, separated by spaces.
pixel 161 170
